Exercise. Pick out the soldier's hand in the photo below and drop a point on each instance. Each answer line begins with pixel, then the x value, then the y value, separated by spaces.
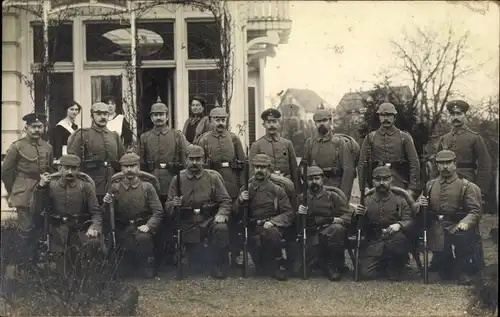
pixel 44 179
pixel 220 219
pixel 177 201
pixel 337 220
pixel 108 198
pixel 143 228
pixel 462 226
pixel 268 224
pixel 92 232
pixel 367 190
pixel 360 210
pixel 395 227
pixel 423 201
pixel 244 195
pixel 302 210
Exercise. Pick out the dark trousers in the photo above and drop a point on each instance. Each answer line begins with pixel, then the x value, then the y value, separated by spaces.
pixel 29 231
pixel 213 235
pixel 265 246
pixel 138 247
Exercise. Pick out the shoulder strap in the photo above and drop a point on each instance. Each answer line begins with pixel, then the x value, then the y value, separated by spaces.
pixel 430 184
pixel 465 185
pixel 234 138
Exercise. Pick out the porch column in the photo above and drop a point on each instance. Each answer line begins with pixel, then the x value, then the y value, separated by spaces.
pixel 261 100
pixel 181 73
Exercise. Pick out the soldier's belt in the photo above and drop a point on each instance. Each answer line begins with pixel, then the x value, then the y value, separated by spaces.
pixel 467 165
pixel 335 171
pixel 452 218
pixel 257 222
pixel 397 165
pixel 69 219
pixel 94 164
pixel 207 210
pixel 217 165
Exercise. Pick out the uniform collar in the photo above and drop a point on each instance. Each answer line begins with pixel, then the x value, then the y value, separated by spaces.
pixel 459 130
pixel 133 183
pixel 389 131
pixel 64 183
pixel 99 129
pixel 191 175
pixel 219 135
pixel 270 138
pixel 327 137
pixel 32 141
pixel 382 198
pixel 255 185
pixel 163 130
pixel 310 194
pixel 449 180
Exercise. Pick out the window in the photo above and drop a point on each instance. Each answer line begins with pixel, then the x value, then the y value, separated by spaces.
pixel 112 41
pixel 60 43
pixel 105 87
pixel 61 94
pixel 203 40
pixel 205 83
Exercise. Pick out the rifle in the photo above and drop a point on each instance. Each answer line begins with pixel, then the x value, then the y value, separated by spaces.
pixel 303 220
pixel 246 211
pixel 178 245
pixel 424 211
pixel 47 233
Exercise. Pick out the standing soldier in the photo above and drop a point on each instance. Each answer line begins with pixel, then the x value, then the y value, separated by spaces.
pixel 455 211
pixel 387 218
pixel 205 206
pixel 162 149
pixel 473 159
pixel 331 153
pixel 99 148
pixel 278 149
pixel 26 161
pixel 394 148
pixel 139 213
pixel 269 217
pixel 328 218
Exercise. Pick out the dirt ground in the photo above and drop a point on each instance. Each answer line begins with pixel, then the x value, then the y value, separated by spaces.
pixel 203 296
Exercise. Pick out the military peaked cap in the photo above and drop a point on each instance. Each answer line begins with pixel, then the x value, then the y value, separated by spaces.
pixel 382 171
pixel 35 117
pixel 445 155
pixel 158 107
pixel 70 160
pixel 322 114
pixel 261 160
pixel 314 171
pixel 270 114
pixel 387 107
pixel 218 113
pixel 457 105
pixel 130 159
pixel 195 151
pixel 99 106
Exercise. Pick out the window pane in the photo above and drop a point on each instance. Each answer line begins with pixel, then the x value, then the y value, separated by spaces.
pixel 61 94
pixel 111 41
pixel 60 43
pixel 204 83
pixel 105 87
pixel 203 40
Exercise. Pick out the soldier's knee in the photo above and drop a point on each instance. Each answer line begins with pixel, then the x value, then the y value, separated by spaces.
pixel 272 234
pixel 143 238
pixel 220 229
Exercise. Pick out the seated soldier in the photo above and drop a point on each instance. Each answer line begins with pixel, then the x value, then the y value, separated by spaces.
pixel 270 214
pixel 204 207
pixel 384 218
pixel 138 213
pixel 75 218
pixel 455 211
pixel 328 217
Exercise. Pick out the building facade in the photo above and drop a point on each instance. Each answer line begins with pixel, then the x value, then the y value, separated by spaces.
pixel 90 43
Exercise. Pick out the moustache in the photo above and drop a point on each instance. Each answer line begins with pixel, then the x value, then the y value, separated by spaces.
pixel 70 175
pixel 220 126
pixel 259 174
pixel 272 129
pixel 456 120
pixel 315 186
pixel 383 186
pixel 385 121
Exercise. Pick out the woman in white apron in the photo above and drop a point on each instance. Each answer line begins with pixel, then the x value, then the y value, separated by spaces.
pixel 61 132
pixel 118 123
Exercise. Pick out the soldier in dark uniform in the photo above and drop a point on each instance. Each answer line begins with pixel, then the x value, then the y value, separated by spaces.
pixel 331 154
pixel 26 160
pixel 205 208
pixel 162 149
pixel 75 217
pixel 455 212
pixel 386 218
pixel 278 149
pixel 393 147
pixel 138 213
pixel 328 217
pixel 269 217
pixel 99 148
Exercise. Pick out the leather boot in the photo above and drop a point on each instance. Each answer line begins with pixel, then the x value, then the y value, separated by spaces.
pixel 150 269
pixel 333 273
pixel 280 271
pixel 221 265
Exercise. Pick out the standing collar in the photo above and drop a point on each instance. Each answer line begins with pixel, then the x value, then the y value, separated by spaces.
pixel 449 180
pixel 192 175
pixel 327 137
pixel 133 183
pixel 389 131
pixel 270 138
pixel 99 129
pixel 163 130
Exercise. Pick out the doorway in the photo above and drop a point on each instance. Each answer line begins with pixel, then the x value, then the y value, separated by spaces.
pixel 151 84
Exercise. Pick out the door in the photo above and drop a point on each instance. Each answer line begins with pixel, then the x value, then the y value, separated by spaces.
pixel 99 85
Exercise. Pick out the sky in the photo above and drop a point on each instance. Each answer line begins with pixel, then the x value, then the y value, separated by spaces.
pixel 337 47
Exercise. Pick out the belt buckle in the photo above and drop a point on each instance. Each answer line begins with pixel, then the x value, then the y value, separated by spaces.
pixel 197 211
pixel 131 222
pixel 225 164
pixel 440 217
pixel 278 173
pixel 105 164
pixel 387 165
pixel 64 219
pixel 163 165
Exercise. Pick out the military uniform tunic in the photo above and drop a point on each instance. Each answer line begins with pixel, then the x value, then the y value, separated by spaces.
pixel 162 146
pixel 395 147
pixel 224 148
pixel 282 156
pixel 331 154
pixel 100 145
pixel 383 211
pixel 473 159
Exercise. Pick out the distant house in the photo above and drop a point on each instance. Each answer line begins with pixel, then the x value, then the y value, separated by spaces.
pixel 353 101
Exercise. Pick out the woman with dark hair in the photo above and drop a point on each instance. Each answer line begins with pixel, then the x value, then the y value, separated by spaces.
pixel 61 132
pixel 118 123
pixel 197 123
